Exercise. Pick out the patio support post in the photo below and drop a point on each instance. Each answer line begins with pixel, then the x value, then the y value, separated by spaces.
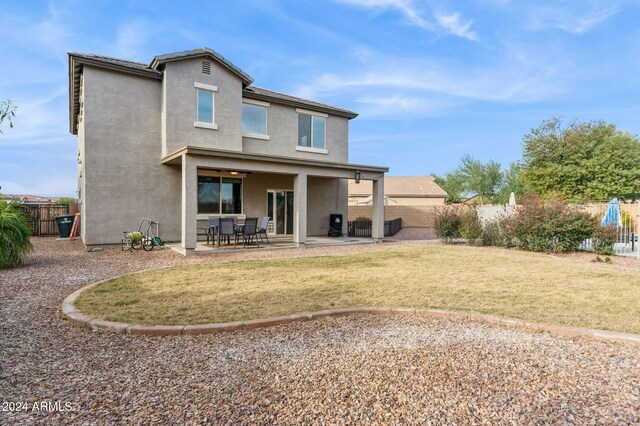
pixel 300 208
pixel 189 203
pixel 377 231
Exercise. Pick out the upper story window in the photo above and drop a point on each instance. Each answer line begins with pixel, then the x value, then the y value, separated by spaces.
pixel 205 112
pixel 312 130
pixel 254 119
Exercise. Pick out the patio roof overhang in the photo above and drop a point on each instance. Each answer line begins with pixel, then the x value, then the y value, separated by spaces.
pixel 249 162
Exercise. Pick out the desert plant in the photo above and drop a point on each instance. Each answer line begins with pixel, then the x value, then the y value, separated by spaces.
pixel 550 226
pixel 14 236
pixel 603 239
pixel 447 223
pixel 470 226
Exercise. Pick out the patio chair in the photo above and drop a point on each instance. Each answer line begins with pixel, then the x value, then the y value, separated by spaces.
pixel 214 225
pixel 262 230
pixel 226 229
pixel 250 231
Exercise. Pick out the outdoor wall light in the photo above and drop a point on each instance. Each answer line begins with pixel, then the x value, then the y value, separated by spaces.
pixel 358 175
pixel 234 173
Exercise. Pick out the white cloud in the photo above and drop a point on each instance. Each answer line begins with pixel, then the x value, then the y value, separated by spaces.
pixel 498 84
pixel 576 17
pixel 406 7
pixel 450 23
pixel 453 24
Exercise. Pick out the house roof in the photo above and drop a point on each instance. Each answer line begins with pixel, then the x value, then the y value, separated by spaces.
pixel 30 198
pixel 259 93
pixel 199 53
pixel 401 186
pixel 155 70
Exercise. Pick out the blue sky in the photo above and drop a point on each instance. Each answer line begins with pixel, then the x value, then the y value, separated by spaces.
pixel 432 80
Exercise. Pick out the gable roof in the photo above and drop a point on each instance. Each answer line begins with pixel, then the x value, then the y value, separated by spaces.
pixel 204 52
pixel 262 94
pixel 155 70
pixel 401 186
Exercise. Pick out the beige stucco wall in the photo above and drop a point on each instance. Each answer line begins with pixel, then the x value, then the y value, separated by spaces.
pixel 81 161
pixel 412 216
pixel 282 128
pixel 179 101
pixel 399 201
pixel 124 179
pixel 325 196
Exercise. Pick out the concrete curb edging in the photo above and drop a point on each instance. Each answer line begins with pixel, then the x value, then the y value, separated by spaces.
pixel 78 318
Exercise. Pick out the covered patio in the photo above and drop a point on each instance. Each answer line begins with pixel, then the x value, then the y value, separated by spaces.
pixel 317 189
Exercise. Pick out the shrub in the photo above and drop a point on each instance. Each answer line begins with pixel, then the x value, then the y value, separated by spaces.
pixel 14 236
pixel 551 226
pixel 362 219
pixel 447 223
pixel 496 232
pixel 603 239
pixel 470 226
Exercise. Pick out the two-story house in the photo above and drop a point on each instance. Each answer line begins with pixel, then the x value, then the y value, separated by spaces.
pixel 187 137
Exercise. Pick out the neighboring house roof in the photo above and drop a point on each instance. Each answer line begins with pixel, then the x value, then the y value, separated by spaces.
pixel 29 198
pixel 400 186
pixel 199 53
pixel 155 70
pixel 259 93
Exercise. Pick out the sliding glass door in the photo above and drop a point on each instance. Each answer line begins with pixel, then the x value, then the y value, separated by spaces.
pixel 280 210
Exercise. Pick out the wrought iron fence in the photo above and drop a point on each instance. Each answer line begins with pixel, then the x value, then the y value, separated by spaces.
pixel 363 228
pixel 628 238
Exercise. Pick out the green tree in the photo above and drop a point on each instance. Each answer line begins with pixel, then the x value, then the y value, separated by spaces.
pixel 582 161
pixel 472 178
pixel 478 178
pixel 513 181
pixel 14 236
pixel 452 185
pixel 66 200
pixel 7 112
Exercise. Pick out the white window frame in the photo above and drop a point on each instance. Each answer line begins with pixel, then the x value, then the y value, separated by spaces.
pixel 213 90
pixel 266 106
pixel 311 148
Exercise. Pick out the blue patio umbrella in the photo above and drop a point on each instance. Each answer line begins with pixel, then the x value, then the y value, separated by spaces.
pixel 612 217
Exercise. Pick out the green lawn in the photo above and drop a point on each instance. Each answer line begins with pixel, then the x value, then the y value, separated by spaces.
pixel 507 283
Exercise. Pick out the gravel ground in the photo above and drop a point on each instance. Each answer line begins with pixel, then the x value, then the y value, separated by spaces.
pixel 359 369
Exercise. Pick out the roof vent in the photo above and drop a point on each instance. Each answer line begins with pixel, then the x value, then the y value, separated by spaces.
pixel 206 67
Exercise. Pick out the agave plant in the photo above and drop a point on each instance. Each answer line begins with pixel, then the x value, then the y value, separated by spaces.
pixel 14 236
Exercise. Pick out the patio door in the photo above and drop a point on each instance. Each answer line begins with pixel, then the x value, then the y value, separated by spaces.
pixel 280 210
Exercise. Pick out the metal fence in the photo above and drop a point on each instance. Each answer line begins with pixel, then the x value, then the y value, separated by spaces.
pixel 42 217
pixel 363 228
pixel 627 240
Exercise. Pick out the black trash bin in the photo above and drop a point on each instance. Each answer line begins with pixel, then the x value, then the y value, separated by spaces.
pixel 335 225
pixel 65 223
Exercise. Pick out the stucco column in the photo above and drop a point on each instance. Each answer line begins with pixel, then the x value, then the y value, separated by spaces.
pixel 377 231
pixel 189 204
pixel 300 208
